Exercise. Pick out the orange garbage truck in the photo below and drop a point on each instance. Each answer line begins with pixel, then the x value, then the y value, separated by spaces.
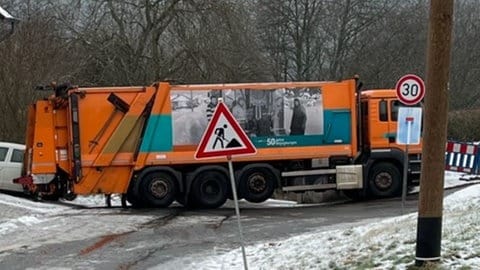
pixel 140 142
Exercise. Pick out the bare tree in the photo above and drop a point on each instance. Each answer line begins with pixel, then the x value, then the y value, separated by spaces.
pixel 35 53
pixel 465 78
pixel 122 39
pixel 292 35
pixel 7 24
pixel 346 23
pixel 218 44
pixel 394 44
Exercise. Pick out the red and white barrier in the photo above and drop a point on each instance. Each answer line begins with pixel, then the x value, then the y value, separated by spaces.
pixel 462 157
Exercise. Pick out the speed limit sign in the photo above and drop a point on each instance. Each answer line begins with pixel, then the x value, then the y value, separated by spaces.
pixel 410 89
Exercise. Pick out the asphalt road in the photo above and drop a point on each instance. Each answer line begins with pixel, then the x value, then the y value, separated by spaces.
pixel 176 233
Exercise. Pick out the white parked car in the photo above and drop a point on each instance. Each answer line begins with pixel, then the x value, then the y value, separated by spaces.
pixel 11 161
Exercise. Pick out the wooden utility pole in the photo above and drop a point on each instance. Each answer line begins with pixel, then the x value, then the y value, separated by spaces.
pixel 429 227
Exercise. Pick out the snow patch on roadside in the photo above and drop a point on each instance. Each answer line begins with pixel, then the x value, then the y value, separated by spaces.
pixel 28 224
pixel 370 244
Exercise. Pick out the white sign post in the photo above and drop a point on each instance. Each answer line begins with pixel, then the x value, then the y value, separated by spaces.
pixel 408 132
pixel 224 137
pixel 410 91
pixel 237 210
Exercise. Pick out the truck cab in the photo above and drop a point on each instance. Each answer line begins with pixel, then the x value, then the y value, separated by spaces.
pixel 379 112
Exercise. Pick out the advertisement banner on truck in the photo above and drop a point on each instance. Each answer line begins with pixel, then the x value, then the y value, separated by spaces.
pixel 270 117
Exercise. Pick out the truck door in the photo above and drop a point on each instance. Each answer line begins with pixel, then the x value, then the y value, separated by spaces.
pixel 392 125
pixel 380 129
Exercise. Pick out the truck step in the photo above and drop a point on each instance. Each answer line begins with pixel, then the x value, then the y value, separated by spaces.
pixel 310 187
pixel 307 173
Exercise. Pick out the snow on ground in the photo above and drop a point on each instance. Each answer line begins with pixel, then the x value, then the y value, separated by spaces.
pixel 375 243
pixel 28 224
pixel 371 244
pixel 99 201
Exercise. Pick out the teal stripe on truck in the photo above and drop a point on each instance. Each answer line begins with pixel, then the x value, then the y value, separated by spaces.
pixel 336 130
pixel 337 127
pixel 158 135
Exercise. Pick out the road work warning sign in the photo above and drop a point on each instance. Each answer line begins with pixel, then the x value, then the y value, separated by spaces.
pixel 224 136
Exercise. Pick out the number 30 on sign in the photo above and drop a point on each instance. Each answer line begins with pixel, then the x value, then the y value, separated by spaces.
pixel 410 89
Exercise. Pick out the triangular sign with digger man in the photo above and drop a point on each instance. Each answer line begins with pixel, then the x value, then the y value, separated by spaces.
pixel 224 136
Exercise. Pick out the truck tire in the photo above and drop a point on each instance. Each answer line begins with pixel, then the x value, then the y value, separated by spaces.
pixel 134 200
pixel 158 189
pixel 257 184
pixel 133 196
pixel 186 200
pixel 385 180
pixel 209 189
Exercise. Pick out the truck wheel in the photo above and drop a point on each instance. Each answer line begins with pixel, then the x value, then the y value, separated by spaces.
pixel 133 196
pixel 158 189
pixel 257 184
pixel 187 202
pixel 134 200
pixel 209 189
pixel 385 180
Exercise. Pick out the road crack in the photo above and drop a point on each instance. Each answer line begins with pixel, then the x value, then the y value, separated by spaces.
pixel 219 224
pixel 149 254
pixel 164 220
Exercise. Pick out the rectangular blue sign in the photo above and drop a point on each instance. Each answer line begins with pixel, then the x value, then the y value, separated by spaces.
pixel 409 125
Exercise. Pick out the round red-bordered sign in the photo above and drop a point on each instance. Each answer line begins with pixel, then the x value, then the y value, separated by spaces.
pixel 410 89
